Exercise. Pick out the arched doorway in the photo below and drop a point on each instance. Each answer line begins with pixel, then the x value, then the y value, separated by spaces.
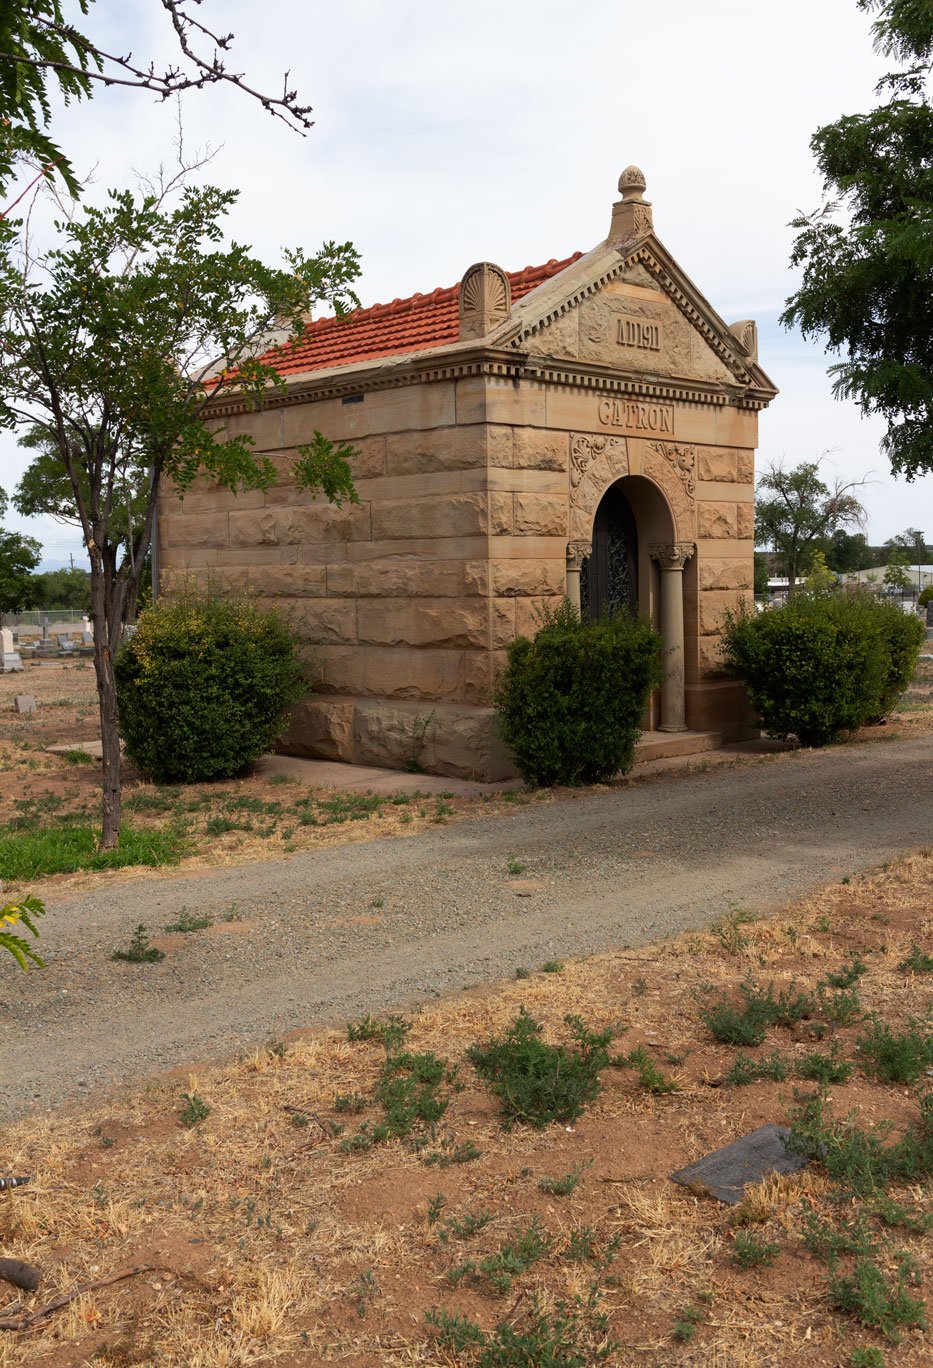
pixel 609 575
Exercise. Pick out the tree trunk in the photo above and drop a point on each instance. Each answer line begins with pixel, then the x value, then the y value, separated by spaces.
pixel 107 702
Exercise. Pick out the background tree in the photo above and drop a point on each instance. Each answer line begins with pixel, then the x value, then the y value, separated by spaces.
pixel 19 556
pixel 896 572
pixel 41 46
pixel 867 253
pixel 848 551
pixel 795 510
pixel 111 352
pixel 69 589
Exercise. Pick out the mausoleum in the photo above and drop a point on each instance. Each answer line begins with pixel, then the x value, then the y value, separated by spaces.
pixel 587 427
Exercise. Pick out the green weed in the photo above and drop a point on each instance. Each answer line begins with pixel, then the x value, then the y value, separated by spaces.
pixel 916 962
pixel 747 1070
pixel 527 1246
pixel 466 1228
pixel 552 967
pixel 866 1356
pixel 729 933
pixel 824 1068
pixel 861 1160
pixel 139 951
pixel 896 1056
pixel 849 976
pixel 194 1111
pixel 350 1102
pixel 391 1031
pixel 435 1207
pixel 842 1007
pixel 79 757
pixel 751 1251
pixel 566 1184
pixel 515 867
pixel 186 922
pixel 652 1079
pixel 538 1083
pixel 879 1303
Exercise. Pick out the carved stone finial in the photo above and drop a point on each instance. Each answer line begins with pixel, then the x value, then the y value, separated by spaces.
pixel 632 185
pixel 485 299
pixel 631 215
pixel 747 333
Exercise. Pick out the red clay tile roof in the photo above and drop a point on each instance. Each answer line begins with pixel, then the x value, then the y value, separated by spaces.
pixel 405 325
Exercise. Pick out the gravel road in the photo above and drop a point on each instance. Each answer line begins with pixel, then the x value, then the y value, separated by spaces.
pixel 382 924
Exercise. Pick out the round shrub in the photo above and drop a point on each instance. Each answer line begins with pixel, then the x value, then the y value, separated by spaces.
pixel 925 596
pixel 571 701
pixel 822 665
pixel 903 635
pixel 203 685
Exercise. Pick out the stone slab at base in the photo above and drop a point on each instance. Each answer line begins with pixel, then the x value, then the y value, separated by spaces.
pixel 438 738
pixel 441 738
pixel 720 705
pixel 658 745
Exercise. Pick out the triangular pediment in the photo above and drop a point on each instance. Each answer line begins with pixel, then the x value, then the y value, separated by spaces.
pixel 633 310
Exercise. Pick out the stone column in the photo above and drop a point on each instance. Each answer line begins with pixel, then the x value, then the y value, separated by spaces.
pixel 672 559
pixel 577 553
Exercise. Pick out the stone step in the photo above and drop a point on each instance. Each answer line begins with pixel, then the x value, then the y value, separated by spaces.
pixel 657 745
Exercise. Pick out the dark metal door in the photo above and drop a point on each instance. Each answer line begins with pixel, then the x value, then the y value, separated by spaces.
pixel 609 577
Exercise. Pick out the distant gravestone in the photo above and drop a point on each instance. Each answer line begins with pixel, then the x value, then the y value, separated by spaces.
pixel 726 1172
pixel 65 643
pixel 25 704
pixel 10 658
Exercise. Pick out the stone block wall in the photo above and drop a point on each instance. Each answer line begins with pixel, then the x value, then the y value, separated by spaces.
pixel 407 600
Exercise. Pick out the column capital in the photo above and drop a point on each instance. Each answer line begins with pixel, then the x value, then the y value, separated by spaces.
pixel 672 555
pixel 577 553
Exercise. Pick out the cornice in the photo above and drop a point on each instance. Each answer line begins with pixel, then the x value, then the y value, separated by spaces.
pixel 496 363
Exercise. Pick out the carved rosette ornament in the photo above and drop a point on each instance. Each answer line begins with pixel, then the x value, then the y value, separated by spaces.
pixel 485 299
pixel 683 459
pixel 672 555
pixel 584 450
pixel 577 553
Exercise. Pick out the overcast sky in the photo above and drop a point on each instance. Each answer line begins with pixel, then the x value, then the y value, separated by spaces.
pixel 447 134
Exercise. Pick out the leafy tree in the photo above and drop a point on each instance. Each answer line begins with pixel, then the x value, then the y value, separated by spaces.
pixel 896 573
pixel 61 589
pixel 761 574
pixel 795 510
pixel 867 253
pixel 40 43
pixel 19 556
pixel 109 362
pixel 820 579
pixel 848 551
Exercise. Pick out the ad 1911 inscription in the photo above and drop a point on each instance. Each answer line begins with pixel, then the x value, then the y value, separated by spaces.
pixel 633 415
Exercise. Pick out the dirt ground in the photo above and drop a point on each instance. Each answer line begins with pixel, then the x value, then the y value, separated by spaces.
pixel 254 1237
pixel 242 820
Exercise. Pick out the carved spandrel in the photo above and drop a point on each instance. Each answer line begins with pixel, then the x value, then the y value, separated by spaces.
pixel 683 459
pixel 585 450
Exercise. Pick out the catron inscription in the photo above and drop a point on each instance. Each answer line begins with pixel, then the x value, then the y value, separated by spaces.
pixel 635 415
pixel 638 332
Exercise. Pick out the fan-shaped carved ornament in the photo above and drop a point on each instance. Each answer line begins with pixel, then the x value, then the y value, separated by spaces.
pixel 485 299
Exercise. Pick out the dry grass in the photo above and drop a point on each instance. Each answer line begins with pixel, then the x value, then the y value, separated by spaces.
pixel 274 1246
